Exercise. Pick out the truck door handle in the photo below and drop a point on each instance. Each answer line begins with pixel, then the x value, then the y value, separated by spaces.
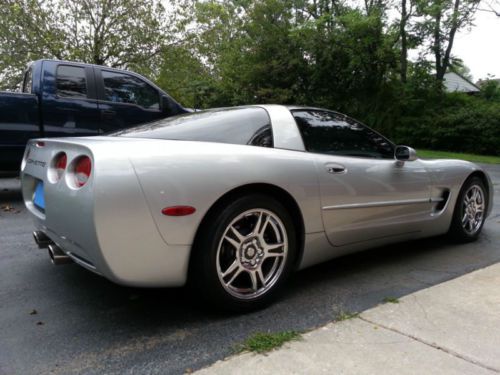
pixel 108 115
pixel 335 168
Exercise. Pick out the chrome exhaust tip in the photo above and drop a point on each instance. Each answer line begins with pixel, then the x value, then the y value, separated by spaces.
pixel 57 256
pixel 41 239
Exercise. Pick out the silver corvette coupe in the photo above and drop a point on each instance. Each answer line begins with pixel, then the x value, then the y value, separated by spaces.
pixel 232 200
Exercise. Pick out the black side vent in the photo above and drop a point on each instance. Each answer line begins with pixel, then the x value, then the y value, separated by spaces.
pixel 441 205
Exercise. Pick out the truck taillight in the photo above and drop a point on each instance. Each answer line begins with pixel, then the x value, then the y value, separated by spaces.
pixel 83 168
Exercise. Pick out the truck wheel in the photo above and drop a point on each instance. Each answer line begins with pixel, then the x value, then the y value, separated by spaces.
pixel 244 254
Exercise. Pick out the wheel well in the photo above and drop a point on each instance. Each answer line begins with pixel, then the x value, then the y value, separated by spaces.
pixel 483 178
pixel 274 191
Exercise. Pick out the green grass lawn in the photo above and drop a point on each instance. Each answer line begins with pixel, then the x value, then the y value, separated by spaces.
pixel 428 154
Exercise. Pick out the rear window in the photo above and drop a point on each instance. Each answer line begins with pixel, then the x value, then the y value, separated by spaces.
pixel 245 126
pixel 71 82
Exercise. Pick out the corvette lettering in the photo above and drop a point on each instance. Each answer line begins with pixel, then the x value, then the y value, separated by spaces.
pixel 36 162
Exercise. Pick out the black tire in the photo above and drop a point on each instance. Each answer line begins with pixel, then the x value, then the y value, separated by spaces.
pixel 210 250
pixel 458 232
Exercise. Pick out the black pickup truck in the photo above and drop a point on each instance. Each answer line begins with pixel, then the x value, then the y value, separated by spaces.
pixel 61 99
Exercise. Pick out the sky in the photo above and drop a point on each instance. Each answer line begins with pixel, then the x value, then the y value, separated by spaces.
pixel 479 47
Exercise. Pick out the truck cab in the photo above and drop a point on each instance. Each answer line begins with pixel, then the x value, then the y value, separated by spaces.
pixel 62 99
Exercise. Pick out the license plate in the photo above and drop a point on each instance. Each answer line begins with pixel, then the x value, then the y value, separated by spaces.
pixel 38 197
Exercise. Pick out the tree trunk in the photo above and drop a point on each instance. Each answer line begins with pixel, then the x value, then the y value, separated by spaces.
pixel 404 42
pixel 437 46
pixel 451 37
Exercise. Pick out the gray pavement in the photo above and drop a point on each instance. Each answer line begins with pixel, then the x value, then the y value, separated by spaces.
pixel 86 324
pixel 451 328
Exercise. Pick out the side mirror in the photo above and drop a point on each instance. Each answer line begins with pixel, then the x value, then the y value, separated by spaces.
pixel 405 153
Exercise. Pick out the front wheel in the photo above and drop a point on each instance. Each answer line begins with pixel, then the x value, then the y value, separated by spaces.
pixel 470 211
pixel 244 253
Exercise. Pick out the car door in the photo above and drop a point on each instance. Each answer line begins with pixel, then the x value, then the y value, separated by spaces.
pixel 69 102
pixel 126 100
pixel 365 193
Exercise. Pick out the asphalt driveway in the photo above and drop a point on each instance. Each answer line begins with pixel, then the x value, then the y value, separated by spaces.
pixel 60 320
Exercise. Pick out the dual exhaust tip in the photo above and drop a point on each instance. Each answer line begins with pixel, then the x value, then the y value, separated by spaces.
pixel 56 254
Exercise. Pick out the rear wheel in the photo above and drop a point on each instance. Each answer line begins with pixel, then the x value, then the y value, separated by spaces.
pixel 244 253
pixel 470 211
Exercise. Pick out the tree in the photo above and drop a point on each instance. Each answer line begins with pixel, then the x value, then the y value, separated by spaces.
pixel 119 33
pixel 441 21
pixel 183 75
pixel 406 40
pixel 458 66
pixel 491 6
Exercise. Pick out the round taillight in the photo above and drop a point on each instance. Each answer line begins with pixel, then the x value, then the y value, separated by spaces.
pixel 60 164
pixel 57 167
pixel 83 168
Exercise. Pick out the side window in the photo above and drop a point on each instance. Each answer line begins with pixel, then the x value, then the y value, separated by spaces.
pixel 28 80
pixel 331 133
pixel 263 137
pixel 124 88
pixel 71 82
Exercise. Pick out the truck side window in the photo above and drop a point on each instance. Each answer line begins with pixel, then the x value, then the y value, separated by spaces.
pixel 71 82
pixel 28 79
pixel 124 88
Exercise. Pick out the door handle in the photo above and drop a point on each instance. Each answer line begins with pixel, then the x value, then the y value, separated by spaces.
pixel 335 168
pixel 108 115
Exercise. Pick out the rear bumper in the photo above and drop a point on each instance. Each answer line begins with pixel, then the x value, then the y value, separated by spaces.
pixel 149 265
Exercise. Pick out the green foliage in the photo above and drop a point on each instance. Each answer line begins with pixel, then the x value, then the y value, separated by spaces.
pixel 264 342
pixel 346 316
pixel 456 122
pixel 119 33
pixel 490 90
pixel 390 300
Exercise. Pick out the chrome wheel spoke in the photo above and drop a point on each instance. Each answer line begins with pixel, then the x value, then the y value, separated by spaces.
pixel 274 250
pixel 236 274
pixel 233 242
pixel 464 219
pixel 257 224
pixel 253 277
pixel 234 266
pixel 260 276
pixel 471 224
pixel 260 231
pixel 237 234
pixel 473 195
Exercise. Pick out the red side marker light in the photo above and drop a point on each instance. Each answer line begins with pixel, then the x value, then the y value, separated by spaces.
pixel 178 211
pixel 40 144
